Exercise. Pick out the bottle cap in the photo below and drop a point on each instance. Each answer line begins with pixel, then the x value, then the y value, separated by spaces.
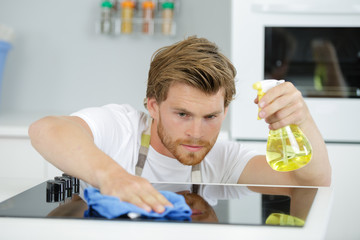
pixel 106 4
pixel 128 4
pixel 148 4
pixel 265 85
pixel 169 5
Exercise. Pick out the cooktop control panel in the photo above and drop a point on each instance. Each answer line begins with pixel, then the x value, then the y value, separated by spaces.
pixel 61 188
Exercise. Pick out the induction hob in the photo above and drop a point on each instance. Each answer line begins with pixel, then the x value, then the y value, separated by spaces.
pixel 213 203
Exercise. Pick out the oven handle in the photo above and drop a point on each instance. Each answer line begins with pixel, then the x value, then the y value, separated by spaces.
pixel 305 8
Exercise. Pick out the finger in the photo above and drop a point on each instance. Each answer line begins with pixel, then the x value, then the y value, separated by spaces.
pixel 156 200
pixel 274 107
pixel 292 98
pixel 296 117
pixel 285 112
pixel 282 123
pixel 153 198
pixel 280 116
pixel 163 200
pixel 153 202
pixel 137 201
pixel 133 192
pixel 276 92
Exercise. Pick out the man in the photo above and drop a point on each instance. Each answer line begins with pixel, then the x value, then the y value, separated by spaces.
pixel 190 86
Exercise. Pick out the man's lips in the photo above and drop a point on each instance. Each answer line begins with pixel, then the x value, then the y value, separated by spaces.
pixel 196 212
pixel 192 148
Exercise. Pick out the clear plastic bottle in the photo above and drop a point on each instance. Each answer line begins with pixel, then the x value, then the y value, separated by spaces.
pixel 167 17
pixel 127 13
pixel 148 17
pixel 287 148
pixel 106 24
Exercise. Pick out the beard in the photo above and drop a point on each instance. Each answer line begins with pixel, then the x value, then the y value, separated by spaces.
pixel 180 153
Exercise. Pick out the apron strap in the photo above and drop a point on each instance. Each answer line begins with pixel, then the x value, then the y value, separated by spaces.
pixel 144 149
pixel 196 174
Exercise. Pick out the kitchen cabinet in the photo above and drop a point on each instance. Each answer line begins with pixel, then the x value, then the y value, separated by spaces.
pixel 19 159
pixel 345 163
pixel 344 159
pixel 21 165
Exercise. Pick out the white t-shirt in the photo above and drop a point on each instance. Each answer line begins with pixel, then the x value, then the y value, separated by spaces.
pixel 117 131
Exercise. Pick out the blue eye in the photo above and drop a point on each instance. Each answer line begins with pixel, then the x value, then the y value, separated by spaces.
pixel 182 114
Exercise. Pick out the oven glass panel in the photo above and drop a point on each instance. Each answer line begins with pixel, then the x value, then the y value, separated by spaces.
pixel 319 61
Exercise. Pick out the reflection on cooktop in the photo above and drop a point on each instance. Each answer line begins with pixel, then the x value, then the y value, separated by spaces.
pixel 210 203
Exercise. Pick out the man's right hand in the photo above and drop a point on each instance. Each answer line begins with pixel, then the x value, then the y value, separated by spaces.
pixel 133 189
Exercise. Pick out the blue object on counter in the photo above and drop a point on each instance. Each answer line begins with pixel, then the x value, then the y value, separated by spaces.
pixel 4 48
pixel 111 207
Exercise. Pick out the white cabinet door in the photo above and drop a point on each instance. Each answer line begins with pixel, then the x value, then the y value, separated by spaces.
pixel 345 162
pixel 21 166
pixel 18 159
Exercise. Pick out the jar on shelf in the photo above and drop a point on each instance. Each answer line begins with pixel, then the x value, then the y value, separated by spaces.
pixel 167 17
pixel 127 13
pixel 148 17
pixel 106 24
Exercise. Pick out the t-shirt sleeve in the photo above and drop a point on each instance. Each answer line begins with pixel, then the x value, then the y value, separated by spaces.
pixel 230 160
pixel 240 155
pixel 110 125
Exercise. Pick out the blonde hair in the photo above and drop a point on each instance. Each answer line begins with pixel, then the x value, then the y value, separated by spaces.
pixel 193 61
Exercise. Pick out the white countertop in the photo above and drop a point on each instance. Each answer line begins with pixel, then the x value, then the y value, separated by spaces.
pixel 103 229
pixel 42 228
pixel 16 124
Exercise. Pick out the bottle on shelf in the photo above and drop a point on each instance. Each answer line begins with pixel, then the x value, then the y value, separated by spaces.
pixel 167 17
pixel 127 14
pixel 287 148
pixel 148 17
pixel 106 25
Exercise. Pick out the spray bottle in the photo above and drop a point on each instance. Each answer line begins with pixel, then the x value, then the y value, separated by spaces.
pixel 287 148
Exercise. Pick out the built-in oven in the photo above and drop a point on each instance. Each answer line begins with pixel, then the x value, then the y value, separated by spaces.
pixel 313 44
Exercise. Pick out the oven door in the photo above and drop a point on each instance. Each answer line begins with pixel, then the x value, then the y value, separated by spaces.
pixel 257 54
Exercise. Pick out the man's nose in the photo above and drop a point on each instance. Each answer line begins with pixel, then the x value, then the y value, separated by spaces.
pixel 195 129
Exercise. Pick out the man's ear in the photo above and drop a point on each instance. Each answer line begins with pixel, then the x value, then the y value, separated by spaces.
pixel 153 107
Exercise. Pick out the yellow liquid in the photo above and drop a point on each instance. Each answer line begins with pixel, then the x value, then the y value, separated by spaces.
pixel 288 149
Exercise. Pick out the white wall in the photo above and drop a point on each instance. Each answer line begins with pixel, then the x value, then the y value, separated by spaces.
pixel 58 64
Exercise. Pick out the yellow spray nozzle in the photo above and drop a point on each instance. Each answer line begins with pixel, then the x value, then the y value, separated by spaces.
pixel 258 86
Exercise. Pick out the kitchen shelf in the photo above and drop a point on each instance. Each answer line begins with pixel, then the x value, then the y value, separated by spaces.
pixel 137 25
pixel 110 20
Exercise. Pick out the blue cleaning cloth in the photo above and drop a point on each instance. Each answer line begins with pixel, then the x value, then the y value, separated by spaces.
pixel 111 207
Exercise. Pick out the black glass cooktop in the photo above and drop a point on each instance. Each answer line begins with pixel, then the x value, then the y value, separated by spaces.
pixel 222 204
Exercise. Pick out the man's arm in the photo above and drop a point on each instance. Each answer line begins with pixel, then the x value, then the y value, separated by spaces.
pixel 281 106
pixel 67 142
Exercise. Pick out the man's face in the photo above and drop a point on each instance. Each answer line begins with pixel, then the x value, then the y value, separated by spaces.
pixel 201 209
pixel 188 123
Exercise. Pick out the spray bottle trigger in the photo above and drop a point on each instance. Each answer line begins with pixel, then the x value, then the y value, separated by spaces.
pixel 258 86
